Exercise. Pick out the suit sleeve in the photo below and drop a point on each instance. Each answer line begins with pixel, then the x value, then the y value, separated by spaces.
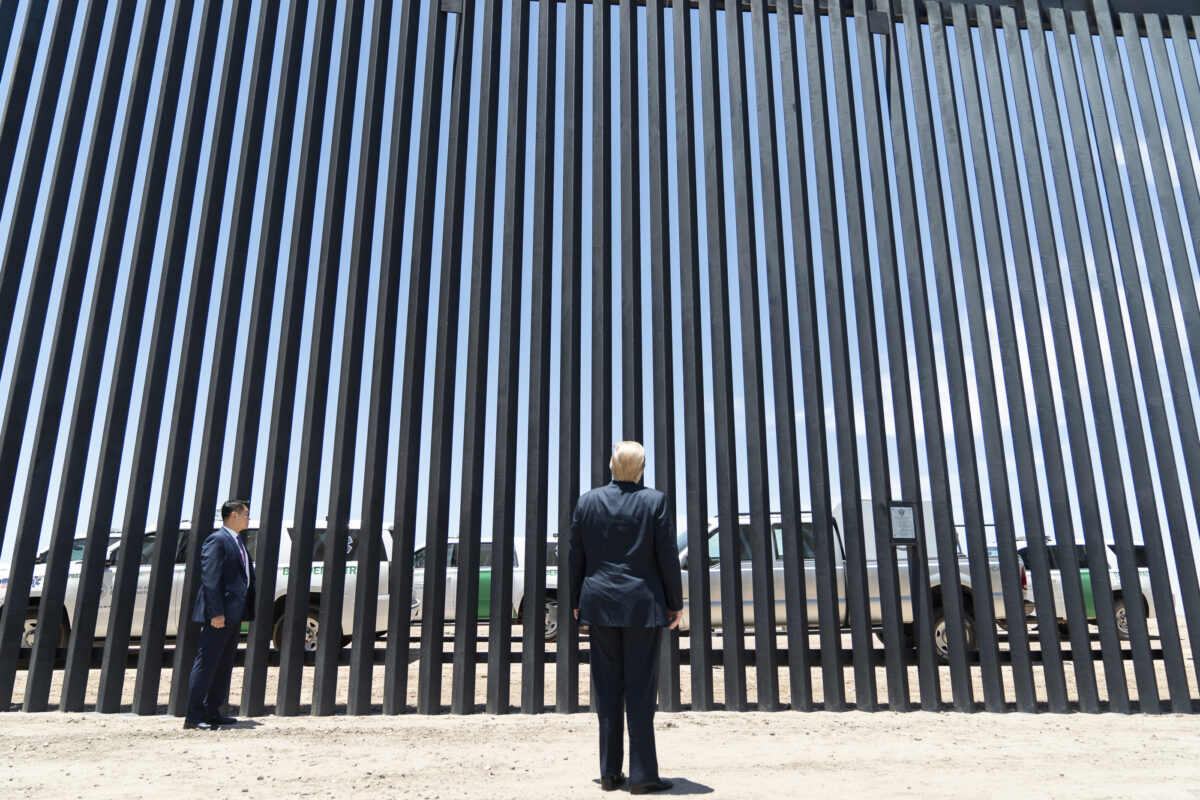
pixel 667 555
pixel 212 561
pixel 576 560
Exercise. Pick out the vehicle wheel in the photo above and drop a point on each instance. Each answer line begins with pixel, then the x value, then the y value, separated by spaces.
pixel 551 620
pixel 312 627
pixel 941 640
pixel 1122 618
pixel 29 633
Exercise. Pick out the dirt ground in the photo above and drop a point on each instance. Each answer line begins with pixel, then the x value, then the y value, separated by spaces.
pixel 722 754
pixel 725 754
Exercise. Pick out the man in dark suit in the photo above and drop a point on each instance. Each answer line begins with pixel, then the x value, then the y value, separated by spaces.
pixel 225 600
pixel 626 586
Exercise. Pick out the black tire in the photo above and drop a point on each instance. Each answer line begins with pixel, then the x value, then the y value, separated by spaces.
pixel 1121 617
pixel 312 630
pixel 551 619
pixel 941 641
pixel 29 633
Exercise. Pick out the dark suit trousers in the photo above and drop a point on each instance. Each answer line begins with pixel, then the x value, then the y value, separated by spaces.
pixel 208 686
pixel 625 676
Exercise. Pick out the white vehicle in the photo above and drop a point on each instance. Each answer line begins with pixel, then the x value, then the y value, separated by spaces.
pixel 485 583
pixel 971 597
pixel 312 625
pixel 1120 597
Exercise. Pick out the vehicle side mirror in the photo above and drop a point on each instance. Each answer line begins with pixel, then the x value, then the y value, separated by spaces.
pixel 111 561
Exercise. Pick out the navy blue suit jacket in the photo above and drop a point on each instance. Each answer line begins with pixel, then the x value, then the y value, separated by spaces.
pixel 624 561
pixel 224 590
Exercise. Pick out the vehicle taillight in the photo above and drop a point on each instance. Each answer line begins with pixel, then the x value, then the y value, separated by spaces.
pixel 1024 580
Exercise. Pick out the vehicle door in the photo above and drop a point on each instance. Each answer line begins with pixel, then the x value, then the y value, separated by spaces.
pixel 451 581
pixel 485 580
pixel 143 585
pixel 1085 578
pixel 552 565
pixel 1060 598
pixel 384 594
pixel 351 586
pixel 418 581
pixel 179 568
pixel 104 606
pixel 808 555
pixel 345 603
pixel 74 570
pixel 743 569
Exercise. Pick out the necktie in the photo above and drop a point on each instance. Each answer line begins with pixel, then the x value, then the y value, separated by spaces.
pixel 242 551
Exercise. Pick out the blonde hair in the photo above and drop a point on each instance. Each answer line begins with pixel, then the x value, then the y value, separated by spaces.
pixel 628 461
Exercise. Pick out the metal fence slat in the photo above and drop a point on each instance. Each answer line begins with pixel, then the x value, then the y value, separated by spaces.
pixel 732 630
pixel 508 371
pixel 758 530
pixel 695 500
pixel 297 607
pixel 466 627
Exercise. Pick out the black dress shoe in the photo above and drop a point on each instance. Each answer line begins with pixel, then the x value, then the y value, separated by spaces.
pixel 219 720
pixel 646 788
pixel 202 725
pixel 610 782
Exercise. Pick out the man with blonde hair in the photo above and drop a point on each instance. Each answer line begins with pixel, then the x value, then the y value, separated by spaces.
pixel 626 586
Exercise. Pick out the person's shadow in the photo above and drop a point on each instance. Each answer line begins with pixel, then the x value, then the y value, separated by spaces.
pixel 681 786
pixel 242 724
pixel 684 786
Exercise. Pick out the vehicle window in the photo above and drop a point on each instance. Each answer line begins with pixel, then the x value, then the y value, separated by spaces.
pixel 147 549
pixel 714 545
pixel 76 552
pixel 1081 554
pixel 350 539
pixel 808 549
pixel 552 554
pixel 451 556
pixel 485 554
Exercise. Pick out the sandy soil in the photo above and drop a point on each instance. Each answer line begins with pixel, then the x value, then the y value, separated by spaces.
pixel 723 754
pixel 549 755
